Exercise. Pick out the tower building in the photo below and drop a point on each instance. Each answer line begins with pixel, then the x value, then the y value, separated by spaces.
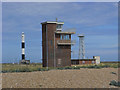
pixel 23 61
pixel 56 45
pixel 23 46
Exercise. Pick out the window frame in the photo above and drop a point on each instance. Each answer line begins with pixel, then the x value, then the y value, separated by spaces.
pixel 64 37
pixel 59 26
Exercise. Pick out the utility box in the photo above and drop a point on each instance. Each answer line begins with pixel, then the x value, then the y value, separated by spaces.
pixel 97 59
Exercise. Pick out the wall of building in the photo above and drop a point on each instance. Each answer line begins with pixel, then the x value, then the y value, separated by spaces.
pixel 61 53
pixel 83 61
pixel 51 31
pixel 44 45
pixel 48 44
pixel 97 59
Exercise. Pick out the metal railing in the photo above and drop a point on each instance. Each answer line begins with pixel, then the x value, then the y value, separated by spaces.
pixel 65 42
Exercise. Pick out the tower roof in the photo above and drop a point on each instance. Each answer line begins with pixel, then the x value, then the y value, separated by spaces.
pixel 52 22
pixel 81 35
pixel 59 32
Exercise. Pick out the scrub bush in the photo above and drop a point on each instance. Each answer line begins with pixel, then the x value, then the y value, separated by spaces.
pixel 115 83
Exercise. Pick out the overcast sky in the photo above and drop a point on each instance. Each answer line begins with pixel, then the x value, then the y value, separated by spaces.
pixel 97 21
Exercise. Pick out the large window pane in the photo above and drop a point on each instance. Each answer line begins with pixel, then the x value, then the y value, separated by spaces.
pixel 64 37
pixel 60 37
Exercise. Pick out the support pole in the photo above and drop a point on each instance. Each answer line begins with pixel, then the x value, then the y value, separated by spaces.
pixel 54 52
pixel 47 45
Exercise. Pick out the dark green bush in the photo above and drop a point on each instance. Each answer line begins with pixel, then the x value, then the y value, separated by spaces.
pixel 115 66
pixel 39 69
pixel 60 68
pixel 113 73
pixel 44 69
pixel 115 83
pixel 83 66
pixel 91 66
pixel 76 67
pixel 17 70
pixel 25 70
pixel 5 71
pixel 106 66
pixel 98 67
pixel 68 67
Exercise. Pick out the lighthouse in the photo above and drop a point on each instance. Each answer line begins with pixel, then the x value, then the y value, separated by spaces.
pixel 23 61
pixel 23 46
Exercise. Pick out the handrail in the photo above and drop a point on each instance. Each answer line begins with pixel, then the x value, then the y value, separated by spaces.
pixel 66 41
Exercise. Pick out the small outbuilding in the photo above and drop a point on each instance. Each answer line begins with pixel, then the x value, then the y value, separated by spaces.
pixel 95 60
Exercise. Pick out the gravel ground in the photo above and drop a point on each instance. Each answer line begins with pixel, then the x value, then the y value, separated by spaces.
pixel 83 78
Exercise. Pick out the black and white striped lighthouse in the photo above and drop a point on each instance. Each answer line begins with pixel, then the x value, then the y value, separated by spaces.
pixel 23 46
pixel 23 61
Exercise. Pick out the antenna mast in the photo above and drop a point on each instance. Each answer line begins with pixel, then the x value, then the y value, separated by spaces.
pixel 81 47
pixel 56 19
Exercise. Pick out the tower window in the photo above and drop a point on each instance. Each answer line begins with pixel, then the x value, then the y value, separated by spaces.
pixel 67 37
pixel 64 37
pixel 59 26
pixel 61 37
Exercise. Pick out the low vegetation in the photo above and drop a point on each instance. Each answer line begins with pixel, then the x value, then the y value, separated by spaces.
pixel 115 83
pixel 38 67
pixel 114 73
pixel 21 68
